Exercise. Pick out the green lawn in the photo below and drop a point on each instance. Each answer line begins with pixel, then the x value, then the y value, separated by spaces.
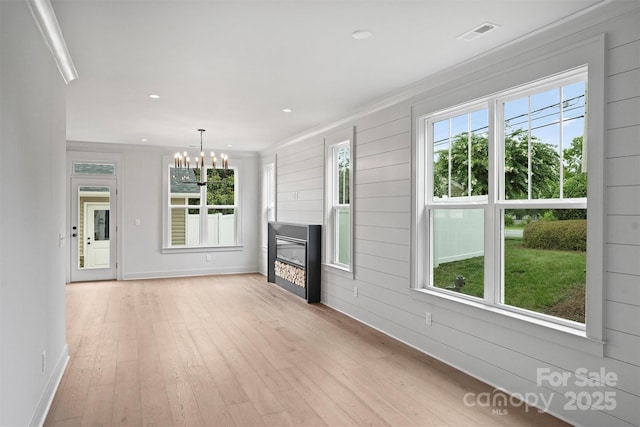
pixel 545 281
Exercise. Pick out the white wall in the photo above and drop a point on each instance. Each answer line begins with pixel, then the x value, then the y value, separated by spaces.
pixel 32 183
pixel 140 191
pixel 500 350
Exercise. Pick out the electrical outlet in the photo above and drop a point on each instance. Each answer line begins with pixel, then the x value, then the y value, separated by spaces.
pixel 207 257
pixel 355 291
pixel 427 318
pixel 44 360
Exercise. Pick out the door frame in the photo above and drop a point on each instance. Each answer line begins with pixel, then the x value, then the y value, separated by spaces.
pixel 77 274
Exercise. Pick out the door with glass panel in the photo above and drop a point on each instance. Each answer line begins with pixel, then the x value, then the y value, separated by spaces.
pixel 93 226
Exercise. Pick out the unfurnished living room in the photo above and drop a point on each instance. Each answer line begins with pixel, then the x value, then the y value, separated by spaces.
pixel 320 213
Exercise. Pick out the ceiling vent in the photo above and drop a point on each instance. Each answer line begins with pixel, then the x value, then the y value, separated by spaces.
pixel 480 30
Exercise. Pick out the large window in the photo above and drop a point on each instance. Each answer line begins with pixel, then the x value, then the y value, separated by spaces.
pixel 202 215
pixel 505 200
pixel 338 245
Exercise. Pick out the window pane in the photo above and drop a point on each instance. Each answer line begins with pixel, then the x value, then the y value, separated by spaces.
pixel 458 250
pixel 540 130
pixel 342 160
pixel 93 228
pixel 220 187
pixel 460 156
pixel 221 226
pixel 574 183
pixel 545 145
pixel 183 189
pixel 185 227
pixel 94 168
pixel 545 261
pixel 342 236
pixel 516 149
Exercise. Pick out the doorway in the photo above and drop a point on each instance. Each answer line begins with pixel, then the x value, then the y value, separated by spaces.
pixel 93 229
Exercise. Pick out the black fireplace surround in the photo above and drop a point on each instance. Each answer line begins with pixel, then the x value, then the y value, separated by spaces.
pixel 295 249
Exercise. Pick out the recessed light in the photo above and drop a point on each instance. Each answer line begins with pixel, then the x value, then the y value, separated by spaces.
pixel 229 145
pixel 287 110
pixel 361 34
pixel 154 96
pixel 143 139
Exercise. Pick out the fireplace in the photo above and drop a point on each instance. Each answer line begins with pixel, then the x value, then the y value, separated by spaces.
pixel 294 258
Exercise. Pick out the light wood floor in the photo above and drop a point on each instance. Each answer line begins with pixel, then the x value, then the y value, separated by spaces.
pixel 237 351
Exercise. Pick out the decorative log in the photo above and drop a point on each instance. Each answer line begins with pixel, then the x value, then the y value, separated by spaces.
pixel 292 274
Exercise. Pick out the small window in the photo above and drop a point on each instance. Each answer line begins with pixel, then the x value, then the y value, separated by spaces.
pixel 84 168
pixel 339 189
pixel 268 198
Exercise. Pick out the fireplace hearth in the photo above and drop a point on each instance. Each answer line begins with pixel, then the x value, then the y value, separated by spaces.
pixel 294 258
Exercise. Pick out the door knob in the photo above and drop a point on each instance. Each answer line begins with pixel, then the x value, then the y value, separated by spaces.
pixel 74 235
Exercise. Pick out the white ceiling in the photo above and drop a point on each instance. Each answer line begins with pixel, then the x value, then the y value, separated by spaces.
pixel 232 66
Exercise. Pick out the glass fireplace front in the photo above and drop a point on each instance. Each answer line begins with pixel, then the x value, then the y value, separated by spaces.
pixel 291 250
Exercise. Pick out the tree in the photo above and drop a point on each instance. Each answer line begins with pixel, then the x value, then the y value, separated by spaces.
pixel 220 187
pixel 459 167
pixel 572 158
pixel 545 167
pixel 343 176
pixel 575 180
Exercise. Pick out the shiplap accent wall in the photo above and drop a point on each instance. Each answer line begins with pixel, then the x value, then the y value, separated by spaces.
pixel 622 152
pixel 300 186
pixel 501 351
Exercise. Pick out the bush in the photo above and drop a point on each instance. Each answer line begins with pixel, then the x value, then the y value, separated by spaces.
pixel 509 219
pixel 568 235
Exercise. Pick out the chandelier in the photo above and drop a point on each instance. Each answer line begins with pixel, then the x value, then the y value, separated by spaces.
pixel 183 161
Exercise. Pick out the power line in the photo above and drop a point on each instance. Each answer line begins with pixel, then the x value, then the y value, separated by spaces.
pixel 566 102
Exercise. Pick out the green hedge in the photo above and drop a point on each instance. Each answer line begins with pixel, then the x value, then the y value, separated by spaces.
pixel 563 235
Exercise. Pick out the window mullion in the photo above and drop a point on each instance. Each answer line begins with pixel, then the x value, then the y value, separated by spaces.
pixel 529 174
pixel 495 133
pixel 560 147
pixel 449 163
pixel 469 153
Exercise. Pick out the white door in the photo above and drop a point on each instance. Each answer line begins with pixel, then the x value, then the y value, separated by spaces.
pixel 96 237
pixel 93 229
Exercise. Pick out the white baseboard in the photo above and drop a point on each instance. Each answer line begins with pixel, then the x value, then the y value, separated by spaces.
pixel 40 414
pixel 188 273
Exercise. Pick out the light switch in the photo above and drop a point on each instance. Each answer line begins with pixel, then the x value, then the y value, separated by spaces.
pixel 136 221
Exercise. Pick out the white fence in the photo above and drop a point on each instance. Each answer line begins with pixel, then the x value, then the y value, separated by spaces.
pixel 458 234
pixel 220 229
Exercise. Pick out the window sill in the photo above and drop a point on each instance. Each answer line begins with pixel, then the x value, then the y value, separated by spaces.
pixel 200 249
pixel 338 270
pixel 564 335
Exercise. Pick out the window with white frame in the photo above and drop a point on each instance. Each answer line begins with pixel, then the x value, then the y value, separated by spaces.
pixel 202 215
pixel 504 220
pixel 268 198
pixel 338 233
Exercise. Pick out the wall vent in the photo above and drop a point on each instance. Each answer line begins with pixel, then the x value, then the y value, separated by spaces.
pixel 480 30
